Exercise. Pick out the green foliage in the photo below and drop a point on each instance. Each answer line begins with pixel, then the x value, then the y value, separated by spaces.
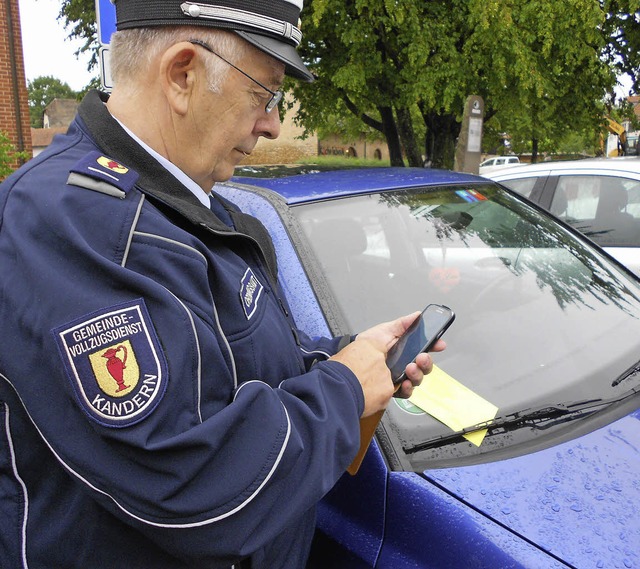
pixel 403 69
pixel 624 111
pixel 93 84
pixel 80 16
pixel 41 91
pixel 536 64
pixel 8 155
pixel 622 32
pixel 556 72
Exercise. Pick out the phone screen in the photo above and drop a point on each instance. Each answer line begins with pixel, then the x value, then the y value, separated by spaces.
pixel 419 337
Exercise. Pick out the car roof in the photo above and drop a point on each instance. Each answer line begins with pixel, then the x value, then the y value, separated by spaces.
pixel 339 183
pixel 620 164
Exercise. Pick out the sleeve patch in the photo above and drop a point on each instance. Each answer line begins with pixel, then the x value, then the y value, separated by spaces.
pixel 115 363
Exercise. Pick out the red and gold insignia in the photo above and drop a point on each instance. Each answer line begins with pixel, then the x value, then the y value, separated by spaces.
pixel 116 369
pixel 112 165
pixel 115 363
pixel 113 176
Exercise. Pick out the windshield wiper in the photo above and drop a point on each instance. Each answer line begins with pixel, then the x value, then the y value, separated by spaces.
pixel 633 370
pixel 540 418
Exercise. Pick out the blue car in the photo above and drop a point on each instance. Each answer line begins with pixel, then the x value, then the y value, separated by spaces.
pixel 547 335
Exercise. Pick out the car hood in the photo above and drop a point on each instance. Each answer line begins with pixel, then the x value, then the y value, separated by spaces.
pixel 578 500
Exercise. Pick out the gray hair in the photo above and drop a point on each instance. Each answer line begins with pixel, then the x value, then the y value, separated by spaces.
pixel 132 51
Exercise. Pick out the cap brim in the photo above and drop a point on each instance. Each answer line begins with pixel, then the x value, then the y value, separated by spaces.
pixel 283 52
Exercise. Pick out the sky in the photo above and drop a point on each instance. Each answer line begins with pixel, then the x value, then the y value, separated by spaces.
pixel 47 51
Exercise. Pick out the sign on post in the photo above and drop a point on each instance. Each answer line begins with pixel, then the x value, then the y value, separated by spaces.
pixel 469 147
pixel 106 19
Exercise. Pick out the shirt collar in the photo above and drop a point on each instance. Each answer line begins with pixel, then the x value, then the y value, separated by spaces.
pixel 194 188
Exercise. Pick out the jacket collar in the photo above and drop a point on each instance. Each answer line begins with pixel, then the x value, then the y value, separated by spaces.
pixel 154 179
pixel 159 183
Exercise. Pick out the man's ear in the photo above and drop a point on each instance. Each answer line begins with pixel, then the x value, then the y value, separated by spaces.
pixel 179 70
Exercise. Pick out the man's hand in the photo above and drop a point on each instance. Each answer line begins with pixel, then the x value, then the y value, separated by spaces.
pixel 366 358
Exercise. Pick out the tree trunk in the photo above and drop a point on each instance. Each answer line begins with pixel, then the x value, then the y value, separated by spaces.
pixel 390 131
pixel 408 138
pixel 440 144
pixel 534 150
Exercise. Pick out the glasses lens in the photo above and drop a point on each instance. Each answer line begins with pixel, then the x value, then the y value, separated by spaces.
pixel 274 101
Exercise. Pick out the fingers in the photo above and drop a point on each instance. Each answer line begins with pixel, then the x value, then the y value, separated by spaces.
pixel 439 346
pixel 386 334
pixel 366 358
pixel 405 389
pixel 416 371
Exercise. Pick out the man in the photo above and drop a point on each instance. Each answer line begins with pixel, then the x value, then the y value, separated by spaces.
pixel 159 408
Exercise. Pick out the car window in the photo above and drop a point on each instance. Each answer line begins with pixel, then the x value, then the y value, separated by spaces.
pixel 605 208
pixel 633 205
pixel 531 299
pixel 524 186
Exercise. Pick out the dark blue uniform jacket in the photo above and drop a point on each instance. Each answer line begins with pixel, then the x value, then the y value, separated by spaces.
pixel 158 407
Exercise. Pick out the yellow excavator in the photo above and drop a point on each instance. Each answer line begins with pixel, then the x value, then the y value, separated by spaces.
pixel 627 145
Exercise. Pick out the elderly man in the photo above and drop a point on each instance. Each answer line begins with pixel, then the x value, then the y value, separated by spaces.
pixel 159 408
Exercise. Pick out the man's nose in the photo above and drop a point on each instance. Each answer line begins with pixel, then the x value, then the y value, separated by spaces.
pixel 268 125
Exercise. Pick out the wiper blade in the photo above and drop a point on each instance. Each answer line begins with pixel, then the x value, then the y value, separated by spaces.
pixel 540 418
pixel 633 370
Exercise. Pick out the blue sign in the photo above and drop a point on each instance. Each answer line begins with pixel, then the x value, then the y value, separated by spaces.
pixel 106 16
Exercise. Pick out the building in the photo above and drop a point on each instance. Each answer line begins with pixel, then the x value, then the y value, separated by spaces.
pixel 623 137
pixel 359 148
pixel 288 148
pixel 57 116
pixel 42 137
pixel 59 113
pixel 14 106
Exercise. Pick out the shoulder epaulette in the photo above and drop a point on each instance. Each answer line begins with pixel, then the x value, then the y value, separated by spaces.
pixel 102 174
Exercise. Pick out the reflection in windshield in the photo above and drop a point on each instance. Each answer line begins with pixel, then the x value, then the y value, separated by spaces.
pixel 363 242
pixel 541 315
pixel 569 272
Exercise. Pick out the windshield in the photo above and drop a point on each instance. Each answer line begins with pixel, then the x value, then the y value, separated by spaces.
pixel 542 318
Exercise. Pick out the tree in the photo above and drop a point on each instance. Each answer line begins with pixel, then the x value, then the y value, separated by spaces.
pixel 561 78
pixel 622 33
pixel 9 157
pixel 80 17
pixel 403 69
pixel 391 62
pixel 41 91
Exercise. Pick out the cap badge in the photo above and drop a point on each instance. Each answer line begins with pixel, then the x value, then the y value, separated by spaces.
pixel 244 18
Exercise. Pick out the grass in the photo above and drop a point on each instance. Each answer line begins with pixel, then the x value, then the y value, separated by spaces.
pixel 344 162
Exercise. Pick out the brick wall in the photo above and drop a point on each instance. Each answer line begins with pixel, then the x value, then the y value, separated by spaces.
pixel 360 148
pixel 14 109
pixel 288 148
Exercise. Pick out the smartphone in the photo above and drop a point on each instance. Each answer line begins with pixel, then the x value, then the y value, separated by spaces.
pixel 419 337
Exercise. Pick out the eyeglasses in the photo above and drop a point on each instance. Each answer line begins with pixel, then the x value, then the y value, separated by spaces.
pixel 276 96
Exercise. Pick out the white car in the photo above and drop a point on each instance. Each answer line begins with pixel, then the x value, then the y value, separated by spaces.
pixel 599 197
pixel 496 163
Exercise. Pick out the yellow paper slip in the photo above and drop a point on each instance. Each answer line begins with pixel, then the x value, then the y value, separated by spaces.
pixel 453 404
